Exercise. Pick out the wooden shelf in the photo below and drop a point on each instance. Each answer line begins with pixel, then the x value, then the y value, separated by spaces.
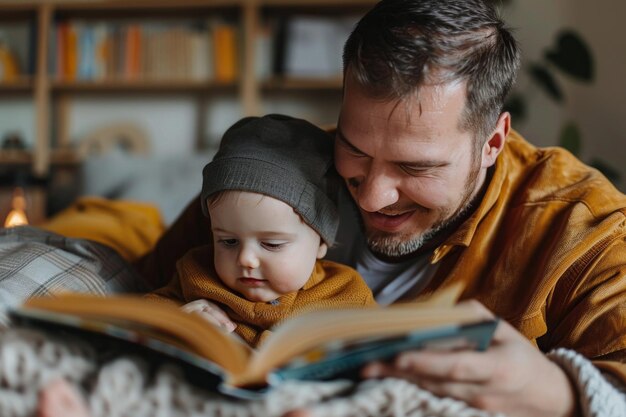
pixel 314 3
pixel 144 86
pixel 147 5
pixel 22 10
pixel 290 83
pixel 163 9
pixel 23 85
pixel 65 156
pixel 15 157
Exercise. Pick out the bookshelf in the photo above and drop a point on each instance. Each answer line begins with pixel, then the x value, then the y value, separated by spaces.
pixel 52 77
pixel 258 80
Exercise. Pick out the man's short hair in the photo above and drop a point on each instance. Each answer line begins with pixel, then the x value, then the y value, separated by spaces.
pixel 400 45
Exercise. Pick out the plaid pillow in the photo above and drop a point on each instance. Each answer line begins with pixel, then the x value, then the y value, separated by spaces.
pixel 35 262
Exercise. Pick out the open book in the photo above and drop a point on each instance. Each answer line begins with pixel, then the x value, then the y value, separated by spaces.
pixel 311 346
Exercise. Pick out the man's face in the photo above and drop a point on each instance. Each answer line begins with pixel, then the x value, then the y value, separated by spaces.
pixel 407 164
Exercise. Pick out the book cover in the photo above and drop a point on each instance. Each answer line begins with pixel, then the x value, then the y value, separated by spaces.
pixel 86 52
pixel 225 50
pixel 60 69
pixel 71 52
pixel 201 54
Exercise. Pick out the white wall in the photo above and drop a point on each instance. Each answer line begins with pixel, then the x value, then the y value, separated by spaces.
pixel 168 122
pixel 600 108
pixel 535 23
pixel 17 115
pixel 597 108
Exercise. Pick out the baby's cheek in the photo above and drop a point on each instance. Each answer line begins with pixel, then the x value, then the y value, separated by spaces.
pixel 284 283
pixel 224 271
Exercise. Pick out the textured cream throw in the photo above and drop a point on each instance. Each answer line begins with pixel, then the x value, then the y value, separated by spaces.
pixel 29 360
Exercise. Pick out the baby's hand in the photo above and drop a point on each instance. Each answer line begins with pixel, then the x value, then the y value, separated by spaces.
pixel 210 312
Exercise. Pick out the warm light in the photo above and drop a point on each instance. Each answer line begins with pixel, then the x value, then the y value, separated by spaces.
pixel 17 215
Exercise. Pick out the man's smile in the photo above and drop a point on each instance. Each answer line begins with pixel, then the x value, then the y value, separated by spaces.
pixel 387 222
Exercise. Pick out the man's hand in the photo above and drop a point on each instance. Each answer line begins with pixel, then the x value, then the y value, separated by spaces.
pixel 512 376
pixel 210 312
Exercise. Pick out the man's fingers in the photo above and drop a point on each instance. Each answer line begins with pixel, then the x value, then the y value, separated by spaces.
pixel 465 391
pixel 467 367
pixel 375 370
pixel 457 366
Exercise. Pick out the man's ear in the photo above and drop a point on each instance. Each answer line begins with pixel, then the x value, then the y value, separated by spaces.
pixel 495 144
pixel 321 251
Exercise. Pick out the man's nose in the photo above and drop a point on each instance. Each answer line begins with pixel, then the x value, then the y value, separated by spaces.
pixel 376 190
pixel 247 258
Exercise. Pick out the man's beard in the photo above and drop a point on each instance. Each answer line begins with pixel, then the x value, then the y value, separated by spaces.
pixel 395 246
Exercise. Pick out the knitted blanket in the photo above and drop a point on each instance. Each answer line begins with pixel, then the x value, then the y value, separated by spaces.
pixel 127 386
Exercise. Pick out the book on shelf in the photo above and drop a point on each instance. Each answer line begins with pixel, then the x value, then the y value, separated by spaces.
pixel 225 50
pixel 315 345
pixel 17 51
pixel 195 50
pixel 9 66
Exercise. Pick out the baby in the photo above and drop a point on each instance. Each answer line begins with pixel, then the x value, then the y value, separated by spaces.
pixel 271 196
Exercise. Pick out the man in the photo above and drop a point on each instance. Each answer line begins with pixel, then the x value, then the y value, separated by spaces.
pixel 446 192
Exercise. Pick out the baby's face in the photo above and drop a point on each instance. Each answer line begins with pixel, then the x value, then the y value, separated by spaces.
pixel 263 249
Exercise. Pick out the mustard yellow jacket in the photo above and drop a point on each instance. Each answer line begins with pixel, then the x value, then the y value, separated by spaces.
pixel 331 285
pixel 545 250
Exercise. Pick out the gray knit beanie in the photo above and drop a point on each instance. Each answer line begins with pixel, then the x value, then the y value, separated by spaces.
pixel 285 158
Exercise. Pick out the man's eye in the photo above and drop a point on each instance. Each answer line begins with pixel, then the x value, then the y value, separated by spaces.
pixel 274 245
pixel 414 171
pixel 228 242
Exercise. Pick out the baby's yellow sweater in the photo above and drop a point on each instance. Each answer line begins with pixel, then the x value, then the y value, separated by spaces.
pixel 331 285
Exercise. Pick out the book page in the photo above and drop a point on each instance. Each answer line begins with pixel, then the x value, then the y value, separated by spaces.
pixel 308 331
pixel 163 322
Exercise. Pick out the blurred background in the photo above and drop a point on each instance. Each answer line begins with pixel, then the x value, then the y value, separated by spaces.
pixel 128 99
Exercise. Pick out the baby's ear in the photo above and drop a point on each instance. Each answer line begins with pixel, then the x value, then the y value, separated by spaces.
pixel 321 251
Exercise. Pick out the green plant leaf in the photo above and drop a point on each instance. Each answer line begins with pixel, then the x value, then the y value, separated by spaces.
pixel 572 56
pixel 544 78
pixel 516 105
pixel 570 138
pixel 611 173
